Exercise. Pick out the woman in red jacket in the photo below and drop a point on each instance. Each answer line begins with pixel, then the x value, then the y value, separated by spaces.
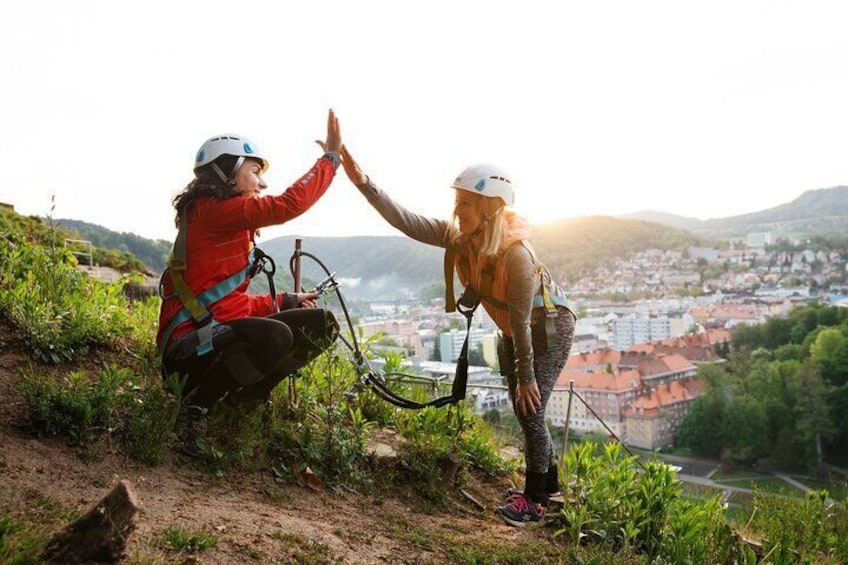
pixel 226 342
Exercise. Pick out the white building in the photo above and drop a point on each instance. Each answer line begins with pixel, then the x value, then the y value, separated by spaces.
pixel 708 254
pixel 450 343
pixel 485 399
pixel 627 331
pixel 759 239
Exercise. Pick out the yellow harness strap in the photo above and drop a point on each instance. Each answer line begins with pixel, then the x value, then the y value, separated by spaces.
pixel 176 267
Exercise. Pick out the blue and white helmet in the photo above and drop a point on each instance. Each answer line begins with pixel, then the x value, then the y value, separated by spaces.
pixel 228 144
pixel 486 180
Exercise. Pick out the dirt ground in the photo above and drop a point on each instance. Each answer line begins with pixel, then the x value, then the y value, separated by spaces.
pixel 255 518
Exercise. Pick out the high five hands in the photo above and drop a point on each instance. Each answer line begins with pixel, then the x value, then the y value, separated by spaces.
pixel 334 144
pixel 351 168
pixel 334 135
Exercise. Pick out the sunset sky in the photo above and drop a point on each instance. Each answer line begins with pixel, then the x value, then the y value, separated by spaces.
pixel 700 109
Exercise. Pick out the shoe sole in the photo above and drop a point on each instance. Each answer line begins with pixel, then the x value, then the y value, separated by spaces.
pixel 518 524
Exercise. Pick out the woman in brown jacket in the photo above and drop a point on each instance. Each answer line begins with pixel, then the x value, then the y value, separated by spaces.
pixel 486 241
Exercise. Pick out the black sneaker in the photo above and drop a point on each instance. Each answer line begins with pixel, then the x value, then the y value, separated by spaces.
pixel 522 511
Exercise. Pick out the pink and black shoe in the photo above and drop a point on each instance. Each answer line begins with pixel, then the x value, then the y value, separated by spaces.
pixel 521 511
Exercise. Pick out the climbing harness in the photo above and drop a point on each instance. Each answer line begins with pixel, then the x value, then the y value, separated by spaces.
pixel 197 307
pixel 379 382
pixel 547 298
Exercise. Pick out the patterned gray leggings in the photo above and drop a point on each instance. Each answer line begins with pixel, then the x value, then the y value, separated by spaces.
pixel 547 365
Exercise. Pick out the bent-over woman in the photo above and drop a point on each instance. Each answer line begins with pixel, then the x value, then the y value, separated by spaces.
pixel 487 245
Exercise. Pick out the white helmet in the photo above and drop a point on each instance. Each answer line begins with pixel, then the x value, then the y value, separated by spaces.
pixel 487 180
pixel 228 144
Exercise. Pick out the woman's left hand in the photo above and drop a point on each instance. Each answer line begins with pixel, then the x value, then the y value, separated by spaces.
pixel 529 398
pixel 306 299
pixel 351 167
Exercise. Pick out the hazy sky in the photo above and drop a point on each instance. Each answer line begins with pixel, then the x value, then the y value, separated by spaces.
pixel 705 109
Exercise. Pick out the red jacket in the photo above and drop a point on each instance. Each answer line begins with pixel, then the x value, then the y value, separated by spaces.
pixel 220 237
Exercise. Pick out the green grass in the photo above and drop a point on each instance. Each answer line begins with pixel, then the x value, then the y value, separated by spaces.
pixel 700 491
pixel 25 527
pixel 300 549
pixel 738 476
pixel 776 485
pixel 181 540
pixel 836 491
pixel 89 409
pixel 760 481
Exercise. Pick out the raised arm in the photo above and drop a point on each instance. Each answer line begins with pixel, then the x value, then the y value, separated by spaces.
pixel 252 213
pixel 420 228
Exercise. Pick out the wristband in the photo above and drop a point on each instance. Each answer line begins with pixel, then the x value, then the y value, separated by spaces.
pixel 334 158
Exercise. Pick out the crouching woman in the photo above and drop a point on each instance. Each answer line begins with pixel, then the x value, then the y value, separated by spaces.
pixel 225 342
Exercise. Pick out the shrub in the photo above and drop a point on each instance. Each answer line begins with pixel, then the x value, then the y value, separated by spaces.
pixel 320 426
pixel 615 504
pixel 114 403
pixel 60 311
pixel 814 529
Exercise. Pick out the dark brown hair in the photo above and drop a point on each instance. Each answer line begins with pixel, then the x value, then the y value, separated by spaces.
pixel 206 183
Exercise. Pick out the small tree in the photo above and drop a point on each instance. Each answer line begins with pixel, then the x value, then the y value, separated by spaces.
pixel 475 356
pixel 437 350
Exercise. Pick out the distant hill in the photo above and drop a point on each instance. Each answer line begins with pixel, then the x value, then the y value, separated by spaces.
pixel 152 252
pixel 577 245
pixel 372 267
pixel 816 212
pixel 666 219
pixel 386 265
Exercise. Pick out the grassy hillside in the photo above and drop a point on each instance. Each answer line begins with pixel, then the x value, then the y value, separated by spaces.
pixel 79 370
pixel 52 235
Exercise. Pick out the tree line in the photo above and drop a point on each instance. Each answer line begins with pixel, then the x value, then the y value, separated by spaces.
pixel 781 400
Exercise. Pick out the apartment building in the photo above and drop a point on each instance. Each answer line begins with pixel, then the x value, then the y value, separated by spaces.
pixel 651 421
pixel 641 397
pixel 607 393
pixel 450 343
pixel 639 329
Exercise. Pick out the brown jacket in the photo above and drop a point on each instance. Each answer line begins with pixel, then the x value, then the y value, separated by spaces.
pixel 519 266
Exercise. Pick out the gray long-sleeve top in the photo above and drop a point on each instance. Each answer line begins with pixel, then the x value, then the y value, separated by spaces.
pixel 522 281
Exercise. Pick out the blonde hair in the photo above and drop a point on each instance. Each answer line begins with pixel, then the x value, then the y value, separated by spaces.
pixel 493 229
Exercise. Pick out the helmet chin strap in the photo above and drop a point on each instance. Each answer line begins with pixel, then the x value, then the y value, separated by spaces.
pixel 228 180
pixel 220 173
pixel 486 219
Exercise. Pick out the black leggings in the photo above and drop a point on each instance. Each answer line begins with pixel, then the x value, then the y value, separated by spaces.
pixel 250 356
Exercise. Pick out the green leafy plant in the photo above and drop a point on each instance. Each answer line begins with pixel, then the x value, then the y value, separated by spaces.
pixel 615 503
pixel 149 413
pixel 317 424
pixel 814 529
pixel 114 403
pixel 60 311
